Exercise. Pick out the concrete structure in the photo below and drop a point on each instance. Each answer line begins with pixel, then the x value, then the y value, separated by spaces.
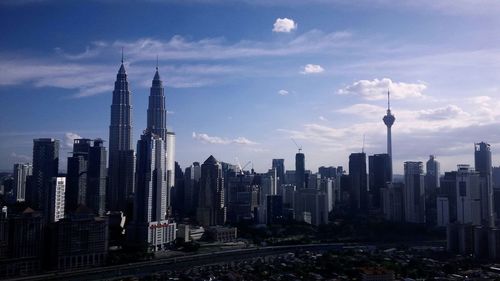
pixel 211 209
pixel 443 211
pixel 57 199
pixel 45 167
pixel 414 192
pixel 380 171
pixel 21 174
pixel 389 121
pixel 482 160
pixel 359 182
pixel 300 170
pixel 79 241
pixel 468 196
pixel 149 225
pixel 222 234
pixel 121 155
pixel 393 202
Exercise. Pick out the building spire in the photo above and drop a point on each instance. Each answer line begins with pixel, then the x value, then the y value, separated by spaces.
pixel 156 62
pixel 388 100
pixel 122 55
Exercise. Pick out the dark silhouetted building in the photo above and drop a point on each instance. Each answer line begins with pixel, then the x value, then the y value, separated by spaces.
pixel 191 188
pixel 414 192
pixel 482 160
pixel 211 209
pixel 300 171
pixel 97 178
pixel 359 183
pixel 79 241
pixel 45 167
pixel 379 176
pixel 279 165
pixel 274 209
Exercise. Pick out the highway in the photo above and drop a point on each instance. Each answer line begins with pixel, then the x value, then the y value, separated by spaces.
pixel 161 265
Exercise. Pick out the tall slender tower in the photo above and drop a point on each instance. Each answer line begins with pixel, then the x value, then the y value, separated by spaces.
pixel 121 154
pixel 157 114
pixel 388 121
pixel 157 125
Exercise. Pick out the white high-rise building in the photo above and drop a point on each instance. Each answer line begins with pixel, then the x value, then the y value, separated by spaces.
pixel 21 173
pixel 57 197
pixel 468 195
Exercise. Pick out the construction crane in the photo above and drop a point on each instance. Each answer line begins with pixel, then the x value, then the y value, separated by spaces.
pixel 240 167
pixel 298 147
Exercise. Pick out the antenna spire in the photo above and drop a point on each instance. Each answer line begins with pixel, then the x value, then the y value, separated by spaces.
pixel 122 54
pixel 156 62
pixel 388 100
pixel 363 148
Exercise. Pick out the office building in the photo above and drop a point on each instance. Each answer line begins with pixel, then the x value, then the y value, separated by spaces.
pixel 380 172
pixel 358 182
pixel 211 209
pixel 279 166
pixel 45 168
pixel 414 192
pixel 57 198
pixel 300 170
pixel 121 155
pixel 482 160
pixel 21 174
pixel 97 178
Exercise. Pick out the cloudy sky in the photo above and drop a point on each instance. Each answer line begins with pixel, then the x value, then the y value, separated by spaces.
pixel 245 77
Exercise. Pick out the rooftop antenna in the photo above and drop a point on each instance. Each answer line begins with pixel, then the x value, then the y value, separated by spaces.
pixel 299 147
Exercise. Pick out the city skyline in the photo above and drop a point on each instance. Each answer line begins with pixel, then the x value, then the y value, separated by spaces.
pixel 256 75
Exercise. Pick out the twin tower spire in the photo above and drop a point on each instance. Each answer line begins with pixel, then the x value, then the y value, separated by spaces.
pixel 121 153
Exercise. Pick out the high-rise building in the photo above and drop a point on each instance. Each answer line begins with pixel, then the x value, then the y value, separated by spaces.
pixel 327 172
pixel 211 209
pixel 170 142
pixel 97 178
pixel 379 176
pixel 359 182
pixel 389 119
pixel 191 188
pixel 414 192
pixel 279 165
pixel 482 160
pixel 300 171
pixel 149 225
pixel 57 199
pixel 432 173
pixel 121 154
pixel 76 184
pixel 21 174
pixel 45 167
pixel 86 178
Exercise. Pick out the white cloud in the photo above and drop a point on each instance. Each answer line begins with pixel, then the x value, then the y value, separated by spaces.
pixel 218 140
pixel 283 92
pixel 20 157
pixel 443 113
pixel 312 69
pixel 322 118
pixel 69 137
pixel 377 89
pixel 364 110
pixel 284 25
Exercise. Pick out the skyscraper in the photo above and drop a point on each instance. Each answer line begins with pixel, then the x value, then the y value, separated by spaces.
pixel 279 165
pixel 300 170
pixel 96 178
pixel 45 167
pixel 121 154
pixel 389 121
pixel 359 182
pixel 379 176
pixel 482 160
pixel 432 173
pixel 21 174
pixel 76 182
pixel 211 209
pixel 414 192
pixel 149 225
pixel 157 124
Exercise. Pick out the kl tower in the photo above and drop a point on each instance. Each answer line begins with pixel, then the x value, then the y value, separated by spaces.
pixel 389 121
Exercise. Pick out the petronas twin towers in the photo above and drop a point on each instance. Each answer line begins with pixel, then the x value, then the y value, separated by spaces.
pixel 143 177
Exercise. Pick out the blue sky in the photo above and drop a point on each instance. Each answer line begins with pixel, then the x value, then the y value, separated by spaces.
pixel 244 77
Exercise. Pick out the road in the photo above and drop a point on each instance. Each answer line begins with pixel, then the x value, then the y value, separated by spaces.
pixel 161 265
